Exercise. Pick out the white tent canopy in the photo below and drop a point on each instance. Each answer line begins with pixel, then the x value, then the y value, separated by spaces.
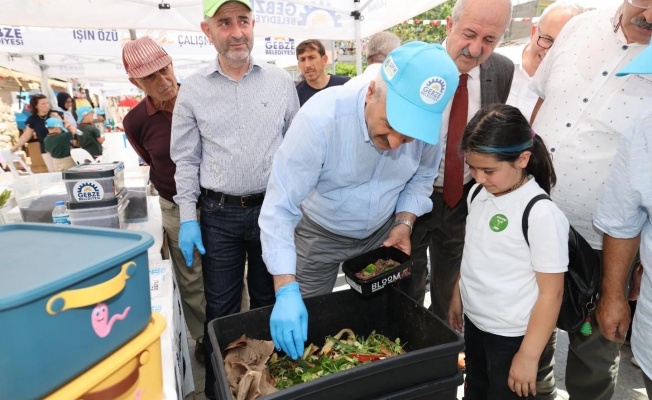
pixel 323 19
pixel 95 54
pixel 299 18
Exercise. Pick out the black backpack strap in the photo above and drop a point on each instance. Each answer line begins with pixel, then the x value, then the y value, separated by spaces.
pixel 526 214
pixel 475 192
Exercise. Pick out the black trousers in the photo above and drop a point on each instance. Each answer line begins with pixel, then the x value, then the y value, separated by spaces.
pixel 488 360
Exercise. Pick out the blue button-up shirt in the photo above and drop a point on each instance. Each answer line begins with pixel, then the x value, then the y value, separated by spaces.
pixel 328 168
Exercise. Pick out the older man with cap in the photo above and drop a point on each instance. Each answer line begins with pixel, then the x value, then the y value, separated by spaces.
pixel 355 170
pixel 624 215
pixel 229 120
pixel 148 127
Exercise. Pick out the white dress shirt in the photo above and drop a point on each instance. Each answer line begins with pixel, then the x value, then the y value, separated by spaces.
pixel 520 94
pixel 586 110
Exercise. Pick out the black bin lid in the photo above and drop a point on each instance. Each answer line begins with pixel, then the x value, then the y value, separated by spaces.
pixel 93 171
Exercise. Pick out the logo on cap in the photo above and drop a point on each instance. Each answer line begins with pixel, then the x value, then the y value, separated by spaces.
pixel 432 90
pixel 390 68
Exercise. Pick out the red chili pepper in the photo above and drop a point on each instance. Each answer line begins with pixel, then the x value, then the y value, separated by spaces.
pixel 366 357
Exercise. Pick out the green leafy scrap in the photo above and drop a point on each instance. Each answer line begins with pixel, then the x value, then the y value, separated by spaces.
pixel 336 355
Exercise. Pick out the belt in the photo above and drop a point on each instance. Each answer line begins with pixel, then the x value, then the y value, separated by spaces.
pixel 249 200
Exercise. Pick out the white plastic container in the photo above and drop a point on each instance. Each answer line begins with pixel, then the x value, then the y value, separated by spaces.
pixel 36 195
pixel 136 183
pixel 94 182
pixel 101 214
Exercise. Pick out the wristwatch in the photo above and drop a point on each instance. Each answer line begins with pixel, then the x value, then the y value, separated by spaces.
pixel 405 222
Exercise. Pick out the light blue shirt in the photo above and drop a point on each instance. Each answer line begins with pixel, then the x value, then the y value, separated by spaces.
pixel 328 168
pixel 624 211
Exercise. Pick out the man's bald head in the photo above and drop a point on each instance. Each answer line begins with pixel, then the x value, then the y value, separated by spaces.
pixel 544 34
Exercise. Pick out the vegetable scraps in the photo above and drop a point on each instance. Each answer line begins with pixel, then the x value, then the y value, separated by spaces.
pixel 336 355
pixel 376 269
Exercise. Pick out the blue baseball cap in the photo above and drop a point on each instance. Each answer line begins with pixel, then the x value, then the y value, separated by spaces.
pixel 55 123
pixel 82 111
pixel 421 79
pixel 641 64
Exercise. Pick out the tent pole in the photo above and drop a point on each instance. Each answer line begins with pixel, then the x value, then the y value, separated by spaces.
pixel 358 40
pixel 46 89
pixel 333 53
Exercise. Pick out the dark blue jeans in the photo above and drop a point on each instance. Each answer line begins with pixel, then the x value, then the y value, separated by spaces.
pixel 231 235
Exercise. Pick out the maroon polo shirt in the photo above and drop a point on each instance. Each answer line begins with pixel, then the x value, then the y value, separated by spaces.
pixel 149 131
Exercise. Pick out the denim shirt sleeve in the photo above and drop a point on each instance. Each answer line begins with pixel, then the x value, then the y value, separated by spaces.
pixel 415 197
pixel 295 172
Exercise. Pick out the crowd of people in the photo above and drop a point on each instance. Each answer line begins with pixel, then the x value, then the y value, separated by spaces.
pixel 436 147
pixel 60 129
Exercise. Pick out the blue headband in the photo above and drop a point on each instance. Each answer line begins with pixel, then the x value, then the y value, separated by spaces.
pixel 506 150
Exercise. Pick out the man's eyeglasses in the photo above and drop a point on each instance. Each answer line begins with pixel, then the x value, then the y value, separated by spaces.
pixel 644 4
pixel 545 42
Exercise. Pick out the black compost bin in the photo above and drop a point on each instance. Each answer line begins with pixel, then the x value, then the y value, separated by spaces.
pixel 439 389
pixel 431 346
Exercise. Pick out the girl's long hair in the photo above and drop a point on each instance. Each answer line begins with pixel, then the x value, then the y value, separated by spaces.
pixel 502 131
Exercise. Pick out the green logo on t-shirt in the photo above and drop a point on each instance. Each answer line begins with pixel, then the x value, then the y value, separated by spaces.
pixel 498 223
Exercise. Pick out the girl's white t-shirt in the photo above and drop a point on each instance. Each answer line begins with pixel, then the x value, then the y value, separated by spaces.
pixel 498 273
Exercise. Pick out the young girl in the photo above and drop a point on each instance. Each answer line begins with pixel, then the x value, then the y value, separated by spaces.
pixel 509 294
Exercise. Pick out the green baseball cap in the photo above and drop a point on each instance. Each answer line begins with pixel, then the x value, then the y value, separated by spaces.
pixel 211 6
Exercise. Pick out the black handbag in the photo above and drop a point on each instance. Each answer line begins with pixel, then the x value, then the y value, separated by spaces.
pixel 581 281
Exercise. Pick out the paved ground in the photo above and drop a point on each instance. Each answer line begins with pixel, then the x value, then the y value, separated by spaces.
pixel 630 381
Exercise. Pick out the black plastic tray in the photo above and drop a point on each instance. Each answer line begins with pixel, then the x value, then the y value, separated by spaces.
pixel 432 347
pixel 377 283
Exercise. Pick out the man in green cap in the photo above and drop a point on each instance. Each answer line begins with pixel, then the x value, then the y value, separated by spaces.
pixel 228 121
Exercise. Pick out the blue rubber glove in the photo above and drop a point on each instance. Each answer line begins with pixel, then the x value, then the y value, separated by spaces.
pixel 189 237
pixel 289 321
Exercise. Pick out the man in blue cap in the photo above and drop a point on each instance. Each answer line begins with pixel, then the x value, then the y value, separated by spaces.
pixel 353 173
pixel 624 215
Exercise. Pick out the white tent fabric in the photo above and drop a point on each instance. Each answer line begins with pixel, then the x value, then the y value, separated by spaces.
pixel 323 19
pixel 299 18
pixel 95 54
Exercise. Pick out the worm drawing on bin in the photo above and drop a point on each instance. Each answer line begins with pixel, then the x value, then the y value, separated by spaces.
pixel 100 319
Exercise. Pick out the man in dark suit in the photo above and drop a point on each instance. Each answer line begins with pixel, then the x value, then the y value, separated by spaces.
pixel 473 31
